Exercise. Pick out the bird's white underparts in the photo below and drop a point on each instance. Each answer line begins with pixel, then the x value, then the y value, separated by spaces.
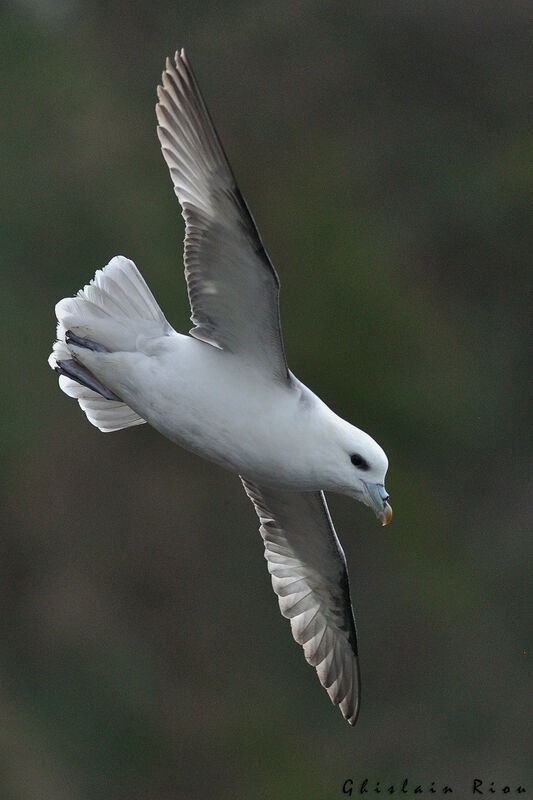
pixel 225 391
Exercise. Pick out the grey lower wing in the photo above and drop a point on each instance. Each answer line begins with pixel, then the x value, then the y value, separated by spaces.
pixel 233 288
pixel 308 571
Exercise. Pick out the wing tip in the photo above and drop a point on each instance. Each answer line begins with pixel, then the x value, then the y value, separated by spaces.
pixel 171 68
pixel 350 706
pixel 352 720
pixel 351 713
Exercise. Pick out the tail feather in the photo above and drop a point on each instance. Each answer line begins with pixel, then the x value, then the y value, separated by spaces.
pixel 121 281
pixel 113 310
pixel 107 415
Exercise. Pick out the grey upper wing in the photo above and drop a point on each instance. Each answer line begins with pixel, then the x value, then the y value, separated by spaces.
pixel 233 288
pixel 308 570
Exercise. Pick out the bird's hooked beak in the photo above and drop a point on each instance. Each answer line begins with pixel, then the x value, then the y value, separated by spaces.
pixel 376 496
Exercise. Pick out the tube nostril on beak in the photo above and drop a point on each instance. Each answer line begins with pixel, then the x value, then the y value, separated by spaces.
pixel 376 498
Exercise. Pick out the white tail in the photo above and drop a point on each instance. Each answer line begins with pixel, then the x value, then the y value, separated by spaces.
pixel 112 310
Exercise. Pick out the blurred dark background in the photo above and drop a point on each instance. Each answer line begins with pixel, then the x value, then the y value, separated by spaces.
pixel 385 150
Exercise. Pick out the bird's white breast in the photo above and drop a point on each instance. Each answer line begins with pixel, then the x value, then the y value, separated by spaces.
pixel 217 405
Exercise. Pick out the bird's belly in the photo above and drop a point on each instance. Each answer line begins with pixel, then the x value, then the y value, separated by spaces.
pixel 208 403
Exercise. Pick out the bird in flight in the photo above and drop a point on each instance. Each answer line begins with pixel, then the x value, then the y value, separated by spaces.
pixel 225 391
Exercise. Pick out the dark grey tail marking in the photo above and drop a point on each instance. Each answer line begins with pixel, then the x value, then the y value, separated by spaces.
pixel 71 338
pixel 73 369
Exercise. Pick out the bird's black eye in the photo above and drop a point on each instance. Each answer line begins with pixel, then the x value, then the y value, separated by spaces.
pixel 359 461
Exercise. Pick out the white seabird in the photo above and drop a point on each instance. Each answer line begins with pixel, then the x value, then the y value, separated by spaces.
pixel 225 391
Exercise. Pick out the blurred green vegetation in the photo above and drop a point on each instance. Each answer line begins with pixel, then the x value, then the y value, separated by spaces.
pixel 385 150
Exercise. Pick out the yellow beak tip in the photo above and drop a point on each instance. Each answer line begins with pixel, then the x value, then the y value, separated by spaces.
pixel 386 515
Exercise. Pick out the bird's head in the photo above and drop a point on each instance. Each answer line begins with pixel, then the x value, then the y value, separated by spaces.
pixel 360 469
